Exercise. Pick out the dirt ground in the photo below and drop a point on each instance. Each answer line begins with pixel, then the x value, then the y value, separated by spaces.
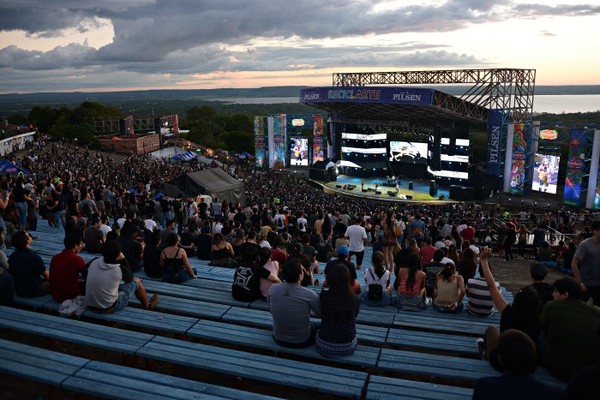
pixel 514 275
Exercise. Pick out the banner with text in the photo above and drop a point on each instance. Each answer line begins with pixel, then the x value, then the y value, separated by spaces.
pixel 578 144
pixel 318 139
pixel 279 141
pixel 496 129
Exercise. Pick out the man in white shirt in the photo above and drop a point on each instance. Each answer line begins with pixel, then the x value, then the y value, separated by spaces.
pixel 357 238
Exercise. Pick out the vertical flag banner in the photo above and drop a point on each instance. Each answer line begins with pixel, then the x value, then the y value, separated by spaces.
pixel 596 204
pixel 318 139
pixel 495 130
pixel 279 141
pixel 260 141
pixel 517 171
pixel 575 167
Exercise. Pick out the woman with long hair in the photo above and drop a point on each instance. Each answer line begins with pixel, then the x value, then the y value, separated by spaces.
pixel 389 240
pixel 467 266
pixel 456 238
pixel 174 261
pixel 411 285
pixel 449 290
pixel 339 308
pixel 377 283
pixel 453 253
pixel 222 252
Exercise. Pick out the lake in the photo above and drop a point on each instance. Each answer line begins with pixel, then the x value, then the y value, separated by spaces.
pixel 554 104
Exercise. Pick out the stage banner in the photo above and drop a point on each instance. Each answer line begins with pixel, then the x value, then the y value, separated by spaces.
pixel 318 139
pixel 596 204
pixel 279 141
pixel 575 167
pixel 260 141
pixel 495 131
pixel 518 170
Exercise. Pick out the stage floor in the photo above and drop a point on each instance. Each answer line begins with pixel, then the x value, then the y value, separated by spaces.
pixel 419 192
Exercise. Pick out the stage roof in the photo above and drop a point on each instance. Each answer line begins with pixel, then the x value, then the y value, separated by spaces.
pixel 415 106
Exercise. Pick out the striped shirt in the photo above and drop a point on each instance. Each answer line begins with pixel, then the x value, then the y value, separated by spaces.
pixel 480 300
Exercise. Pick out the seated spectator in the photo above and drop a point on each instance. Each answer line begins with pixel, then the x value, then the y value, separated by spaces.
pixel 175 265
pixel 377 283
pixel 27 268
pixel 104 291
pixel 544 252
pixel 467 265
pixel 264 255
pixel 432 269
pixel 517 355
pixel 480 300
pixel 7 283
pixel 204 243
pixel 291 305
pixel 93 237
pixel 339 307
pixel 523 314
pixel 132 247
pixel 449 290
pixel 246 279
pixel 538 273
pixel 151 257
pixel 222 252
pixel 66 267
pixel 324 249
pixel 411 285
pixel 342 258
pixel 187 239
pixel 296 251
pixel 570 328
pixel 567 256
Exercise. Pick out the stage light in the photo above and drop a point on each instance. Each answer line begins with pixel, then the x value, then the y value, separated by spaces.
pixel 509 200
pixel 535 203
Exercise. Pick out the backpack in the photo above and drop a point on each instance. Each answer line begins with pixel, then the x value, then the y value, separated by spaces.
pixel 375 289
pixel 280 222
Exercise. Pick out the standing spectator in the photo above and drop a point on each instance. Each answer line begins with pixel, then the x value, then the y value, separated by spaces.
pixel 510 237
pixel 539 237
pixel 21 197
pixel 104 291
pixel 522 240
pixel 27 268
pixel 339 307
pixel 586 264
pixel 570 328
pixel 357 236
pixel 416 229
pixel 291 305
pixel 65 270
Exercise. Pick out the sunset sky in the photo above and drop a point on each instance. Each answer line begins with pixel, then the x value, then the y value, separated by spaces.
pixel 108 45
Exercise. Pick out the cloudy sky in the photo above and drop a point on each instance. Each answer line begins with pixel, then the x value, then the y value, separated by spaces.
pixel 107 45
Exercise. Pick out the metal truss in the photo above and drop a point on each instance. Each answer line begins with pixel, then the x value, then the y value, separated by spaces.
pixel 132 125
pixel 499 88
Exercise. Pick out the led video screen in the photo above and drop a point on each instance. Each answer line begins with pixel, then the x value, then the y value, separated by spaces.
pixel 408 152
pixel 299 152
pixel 545 173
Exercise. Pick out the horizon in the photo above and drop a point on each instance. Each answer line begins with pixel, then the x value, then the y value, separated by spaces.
pixel 73 46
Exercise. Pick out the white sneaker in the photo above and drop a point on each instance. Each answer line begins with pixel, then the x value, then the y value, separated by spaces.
pixel 480 344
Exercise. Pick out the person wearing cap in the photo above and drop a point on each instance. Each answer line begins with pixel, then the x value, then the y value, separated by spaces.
pixel 342 258
pixel 93 237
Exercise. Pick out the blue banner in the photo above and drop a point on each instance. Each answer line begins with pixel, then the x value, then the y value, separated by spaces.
pixel 495 130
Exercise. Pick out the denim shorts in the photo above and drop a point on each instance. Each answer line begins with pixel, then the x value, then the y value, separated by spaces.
pixel 126 290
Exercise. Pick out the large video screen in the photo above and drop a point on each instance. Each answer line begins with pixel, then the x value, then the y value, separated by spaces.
pixel 299 152
pixel 408 152
pixel 545 173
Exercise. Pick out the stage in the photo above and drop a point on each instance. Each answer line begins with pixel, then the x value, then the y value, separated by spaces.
pixel 366 188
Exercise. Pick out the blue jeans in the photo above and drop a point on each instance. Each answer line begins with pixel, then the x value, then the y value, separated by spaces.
pixel 385 301
pixel 22 209
pixel 59 218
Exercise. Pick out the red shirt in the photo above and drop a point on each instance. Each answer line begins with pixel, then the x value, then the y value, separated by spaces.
pixel 468 233
pixel 64 275
pixel 279 255
pixel 426 253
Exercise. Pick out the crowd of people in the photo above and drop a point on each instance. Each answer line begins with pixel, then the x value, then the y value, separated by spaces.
pixel 279 239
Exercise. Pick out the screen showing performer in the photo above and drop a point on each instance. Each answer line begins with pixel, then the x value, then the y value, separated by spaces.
pixel 545 173
pixel 299 152
pixel 408 152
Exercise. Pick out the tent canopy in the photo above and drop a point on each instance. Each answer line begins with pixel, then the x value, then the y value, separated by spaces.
pixel 214 182
pixel 6 167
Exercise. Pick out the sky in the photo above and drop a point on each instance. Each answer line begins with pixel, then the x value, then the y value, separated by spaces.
pixel 114 45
